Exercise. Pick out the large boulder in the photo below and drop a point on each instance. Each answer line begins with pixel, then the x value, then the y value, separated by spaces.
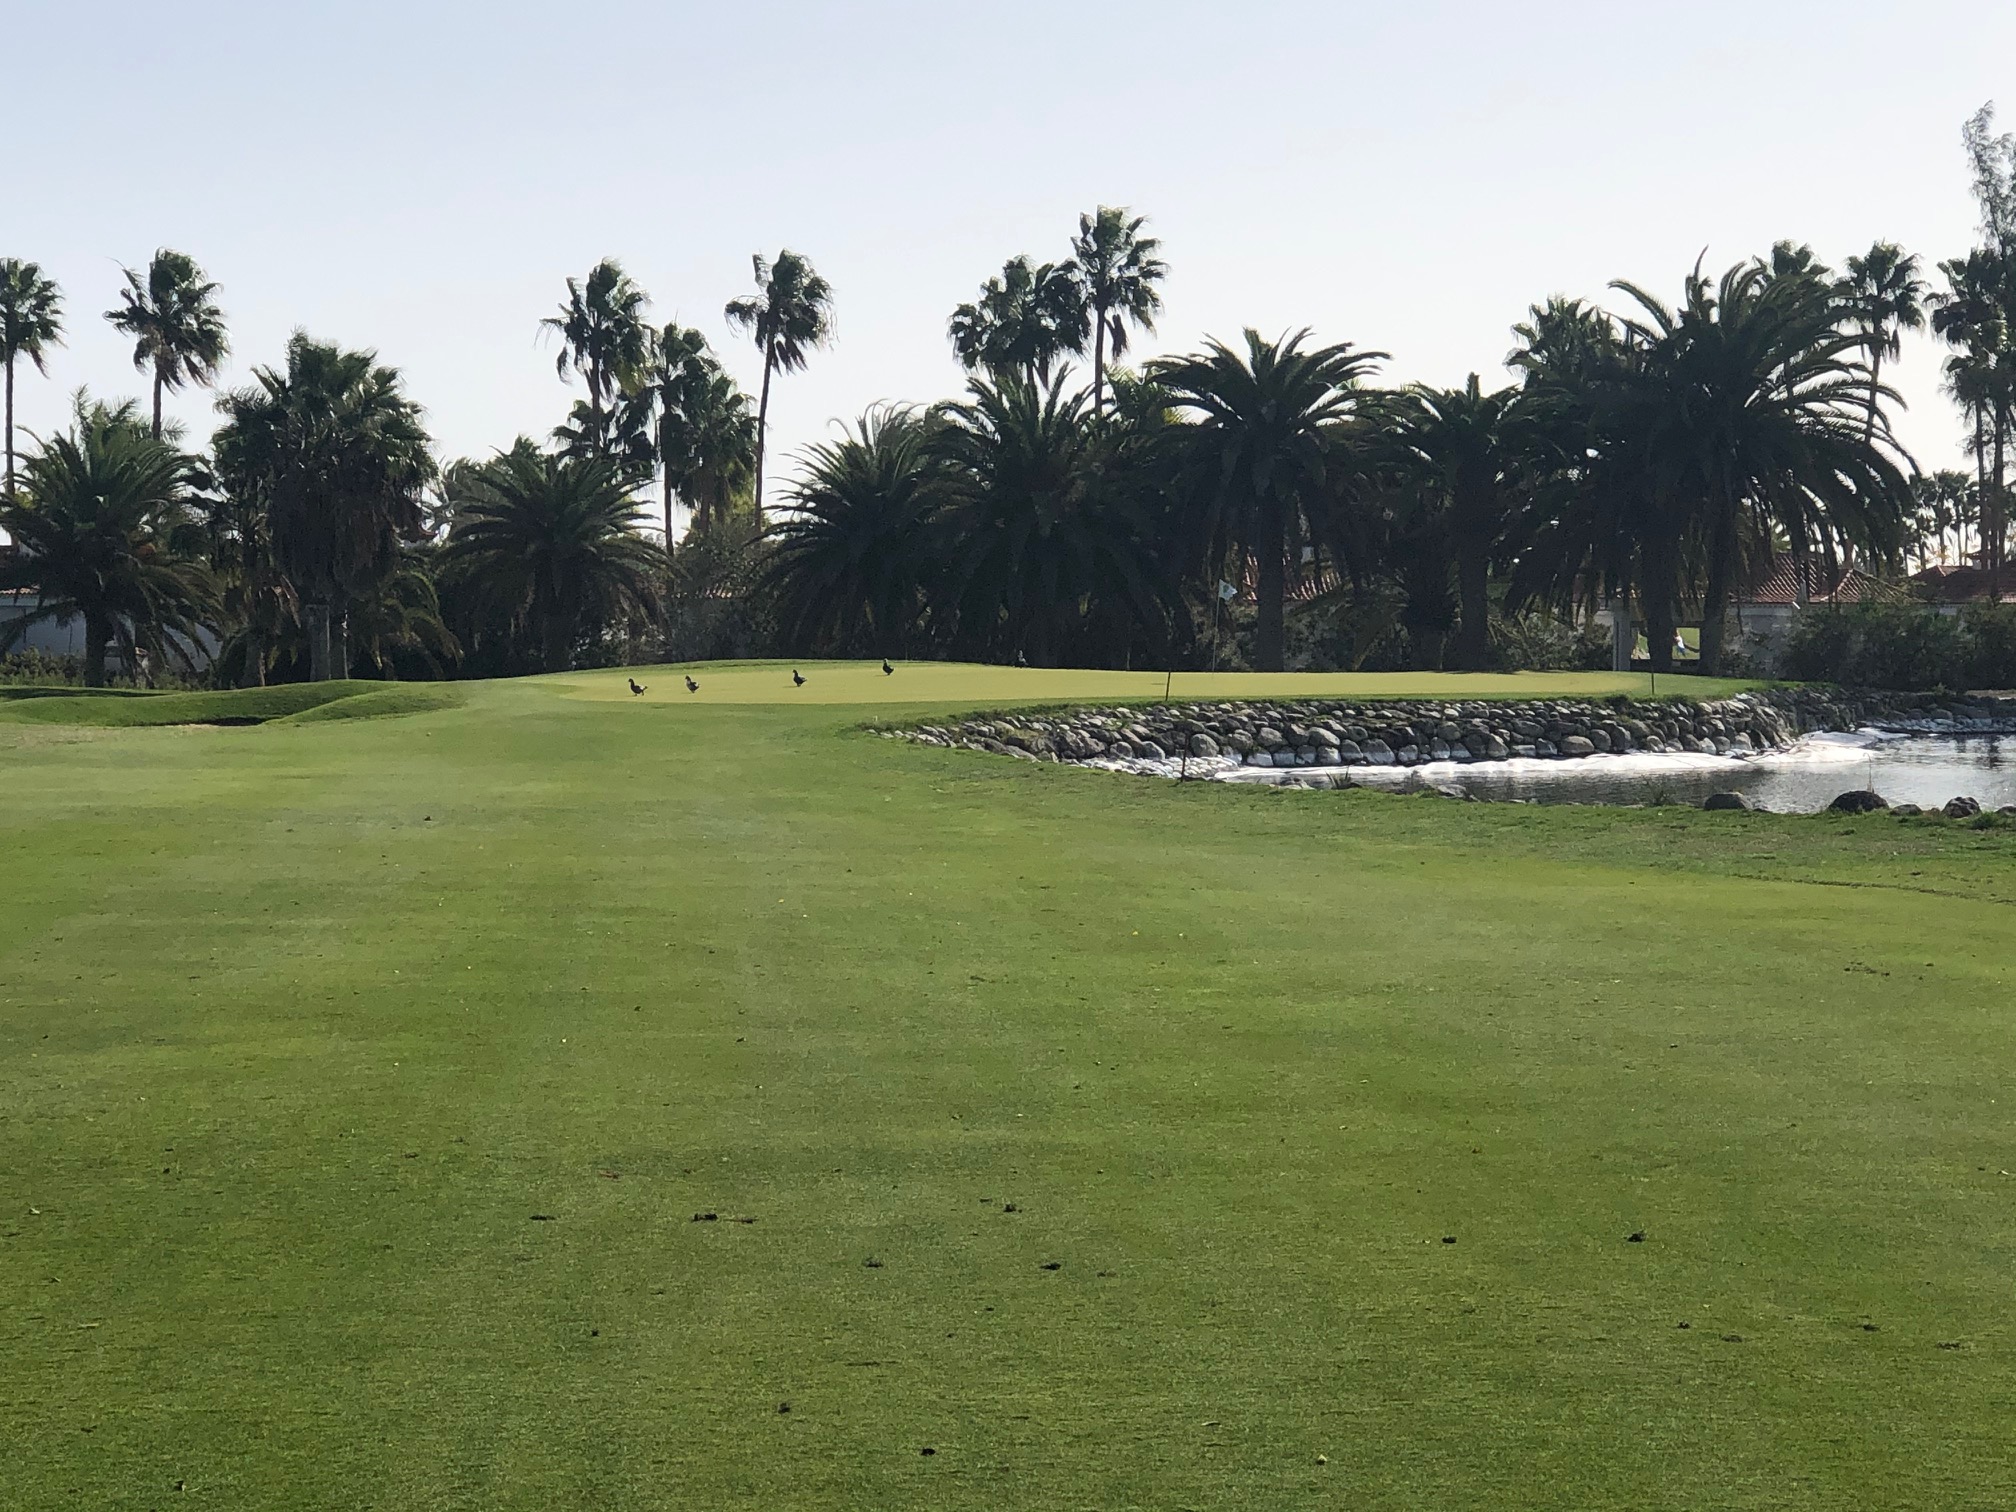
pixel 1577 745
pixel 1859 801
pixel 1716 802
pixel 1961 808
pixel 1203 745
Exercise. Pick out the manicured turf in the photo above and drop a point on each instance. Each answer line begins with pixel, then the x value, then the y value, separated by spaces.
pixel 974 686
pixel 360 1082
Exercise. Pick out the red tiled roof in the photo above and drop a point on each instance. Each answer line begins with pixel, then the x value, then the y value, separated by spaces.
pixel 1824 584
pixel 1960 585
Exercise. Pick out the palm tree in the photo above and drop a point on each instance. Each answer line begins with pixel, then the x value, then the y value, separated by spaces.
pixel 335 457
pixel 1474 458
pixel 790 314
pixel 705 432
pixel 177 329
pixel 1760 426
pixel 850 559
pixel 106 536
pixel 1023 321
pixel 31 321
pixel 1118 270
pixel 1885 297
pixel 1041 537
pixel 552 541
pixel 1268 446
pixel 603 337
pixel 1972 315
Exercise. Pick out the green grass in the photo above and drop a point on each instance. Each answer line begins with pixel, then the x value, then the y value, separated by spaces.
pixel 124 709
pixel 301 1026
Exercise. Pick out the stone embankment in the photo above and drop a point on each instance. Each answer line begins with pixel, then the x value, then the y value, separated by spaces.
pixel 1332 733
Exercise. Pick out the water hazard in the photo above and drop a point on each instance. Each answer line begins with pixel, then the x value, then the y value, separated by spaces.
pixel 1925 769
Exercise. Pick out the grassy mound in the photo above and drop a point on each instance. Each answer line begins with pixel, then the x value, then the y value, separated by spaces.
pixel 382 1103
pixel 223 706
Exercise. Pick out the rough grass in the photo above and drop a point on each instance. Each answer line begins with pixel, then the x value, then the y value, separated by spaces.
pixel 328 700
pixel 360 1082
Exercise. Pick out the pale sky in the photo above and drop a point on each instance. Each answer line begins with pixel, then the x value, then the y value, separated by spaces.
pixel 420 177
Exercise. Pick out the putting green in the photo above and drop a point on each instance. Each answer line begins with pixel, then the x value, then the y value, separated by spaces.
pixel 366 1086
pixel 985 686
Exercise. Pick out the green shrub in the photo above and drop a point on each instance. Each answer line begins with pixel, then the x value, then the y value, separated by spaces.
pixel 1910 647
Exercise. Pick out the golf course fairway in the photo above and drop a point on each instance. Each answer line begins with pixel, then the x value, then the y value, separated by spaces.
pixel 555 1099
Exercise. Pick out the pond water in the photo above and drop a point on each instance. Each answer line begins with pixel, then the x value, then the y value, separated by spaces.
pixel 1925 769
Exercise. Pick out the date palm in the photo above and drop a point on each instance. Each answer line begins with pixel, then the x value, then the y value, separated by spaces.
pixel 1023 321
pixel 1762 426
pixel 1268 447
pixel 31 322
pixel 107 536
pixel 1885 297
pixel 1118 270
pixel 850 560
pixel 552 542
pixel 1040 537
pixel 1472 458
pixel 789 316
pixel 603 338
pixel 177 329
pixel 333 454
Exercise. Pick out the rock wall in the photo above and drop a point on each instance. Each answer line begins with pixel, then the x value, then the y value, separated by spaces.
pixel 1333 733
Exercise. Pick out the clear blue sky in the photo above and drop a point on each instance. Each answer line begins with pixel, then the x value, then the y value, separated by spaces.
pixel 420 177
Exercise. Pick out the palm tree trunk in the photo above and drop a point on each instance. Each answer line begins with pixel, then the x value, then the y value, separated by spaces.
pixel 555 638
pixel 1715 596
pixel 253 675
pixel 157 401
pixel 1272 548
pixel 10 426
pixel 1473 591
pixel 763 424
pixel 339 640
pixel 315 622
pixel 1875 381
pixel 1098 361
pixel 1656 595
pixel 1997 513
pixel 97 630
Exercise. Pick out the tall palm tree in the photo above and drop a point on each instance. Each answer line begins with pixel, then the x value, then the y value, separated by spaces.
pixel 1885 297
pixel 790 314
pixel 107 536
pixel 1119 271
pixel 31 321
pixel 177 329
pixel 1972 315
pixel 603 337
pixel 850 561
pixel 1041 538
pixel 552 541
pixel 334 455
pixel 704 430
pixel 1761 426
pixel 1475 458
pixel 1023 321
pixel 1269 446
